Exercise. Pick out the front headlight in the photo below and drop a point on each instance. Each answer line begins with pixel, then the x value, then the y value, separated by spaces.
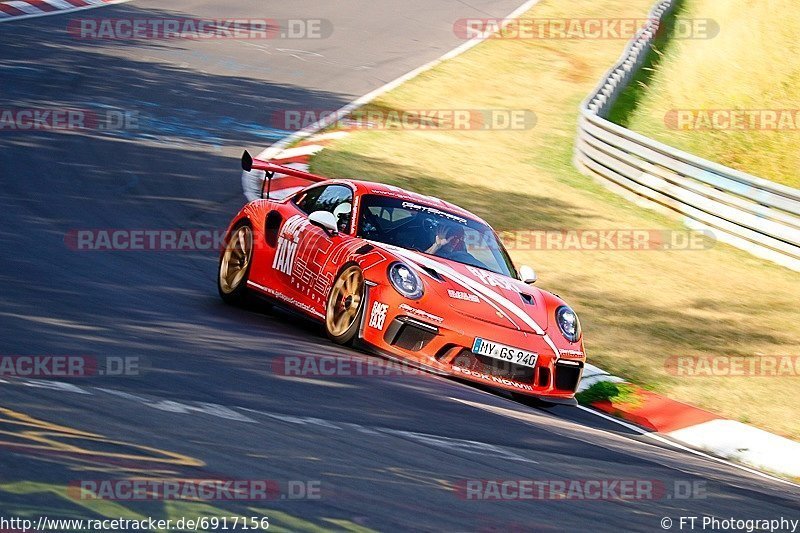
pixel 568 323
pixel 405 281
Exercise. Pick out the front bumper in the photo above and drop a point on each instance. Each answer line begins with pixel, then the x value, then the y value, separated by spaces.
pixel 443 344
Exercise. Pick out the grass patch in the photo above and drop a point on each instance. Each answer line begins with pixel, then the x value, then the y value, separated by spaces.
pixel 606 390
pixel 638 308
pixel 752 64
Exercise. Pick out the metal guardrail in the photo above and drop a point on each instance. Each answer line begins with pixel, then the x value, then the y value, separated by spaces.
pixel 745 211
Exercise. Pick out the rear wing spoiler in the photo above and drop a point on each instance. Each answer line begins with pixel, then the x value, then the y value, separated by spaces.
pixel 287 179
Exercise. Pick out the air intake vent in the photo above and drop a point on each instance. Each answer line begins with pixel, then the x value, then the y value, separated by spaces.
pixel 527 298
pixel 568 377
pixel 544 377
pixel 435 275
pixel 409 334
pixel 367 248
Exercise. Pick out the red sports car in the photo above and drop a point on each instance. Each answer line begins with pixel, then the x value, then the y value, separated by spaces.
pixel 408 276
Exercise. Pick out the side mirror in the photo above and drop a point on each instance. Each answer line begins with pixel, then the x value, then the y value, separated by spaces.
pixel 325 220
pixel 527 275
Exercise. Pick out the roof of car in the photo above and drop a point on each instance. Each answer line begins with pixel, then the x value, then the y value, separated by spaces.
pixel 391 191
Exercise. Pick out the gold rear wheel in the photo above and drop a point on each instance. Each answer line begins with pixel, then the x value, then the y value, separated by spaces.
pixel 235 263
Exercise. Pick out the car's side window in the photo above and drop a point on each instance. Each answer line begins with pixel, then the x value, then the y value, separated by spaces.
pixel 306 200
pixel 336 199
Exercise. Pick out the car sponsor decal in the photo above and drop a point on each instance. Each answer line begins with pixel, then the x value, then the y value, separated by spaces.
pixel 491 280
pixel 420 313
pixel 455 276
pixel 434 211
pixel 307 255
pixel 287 299
pixel 492 379
pixel 402 194
pixel 424 272
pixel 378 315
pixel 461 295
pixel 286 250
pixel 572 353
pixel 478 288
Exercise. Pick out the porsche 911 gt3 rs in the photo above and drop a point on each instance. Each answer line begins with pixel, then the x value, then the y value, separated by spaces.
pixel 408 276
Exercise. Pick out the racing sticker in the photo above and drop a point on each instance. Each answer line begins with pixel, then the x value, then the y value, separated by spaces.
pixel 491 280
pixel 420 313
pixel 378 315
pixel 286 251
pixel 434 211
pixel 402 194
pixel 491 378
pixel 461 295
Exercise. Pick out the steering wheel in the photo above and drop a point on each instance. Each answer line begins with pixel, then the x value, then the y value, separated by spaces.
pixel 370 217
pixel 430 226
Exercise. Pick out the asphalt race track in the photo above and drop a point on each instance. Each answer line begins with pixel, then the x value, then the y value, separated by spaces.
pixel 385 452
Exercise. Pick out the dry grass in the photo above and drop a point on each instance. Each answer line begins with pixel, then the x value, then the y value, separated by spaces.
pixel 638 308
pixel 753 64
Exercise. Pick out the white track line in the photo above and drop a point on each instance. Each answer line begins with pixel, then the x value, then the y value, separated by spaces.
pixel 71 9
pixel 655 436
pixel 24 6
pixel 659 438
pixel 60 4
pixel 275 148
pixel 249 179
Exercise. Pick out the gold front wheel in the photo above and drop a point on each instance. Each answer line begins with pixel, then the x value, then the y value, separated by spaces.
pixel 344 305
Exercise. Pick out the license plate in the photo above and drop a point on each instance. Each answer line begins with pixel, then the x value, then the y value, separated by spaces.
pixel 505 353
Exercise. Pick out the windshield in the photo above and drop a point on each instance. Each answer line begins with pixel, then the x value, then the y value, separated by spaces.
pixel 433 231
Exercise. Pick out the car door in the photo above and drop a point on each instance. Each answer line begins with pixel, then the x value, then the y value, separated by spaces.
pixel 305 261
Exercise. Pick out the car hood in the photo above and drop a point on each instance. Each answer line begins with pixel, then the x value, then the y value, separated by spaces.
pixel 479 293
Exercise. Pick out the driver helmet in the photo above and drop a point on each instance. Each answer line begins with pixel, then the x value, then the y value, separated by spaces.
pixel 342 213
pixel 455 235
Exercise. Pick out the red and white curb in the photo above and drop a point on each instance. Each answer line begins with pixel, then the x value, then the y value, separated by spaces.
pixel 701 429
pixel 297 157
pixel 24 9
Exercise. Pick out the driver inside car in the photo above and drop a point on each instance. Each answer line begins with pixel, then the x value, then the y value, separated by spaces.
pixel 450 244
pixel 342 214
pixel 449 241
